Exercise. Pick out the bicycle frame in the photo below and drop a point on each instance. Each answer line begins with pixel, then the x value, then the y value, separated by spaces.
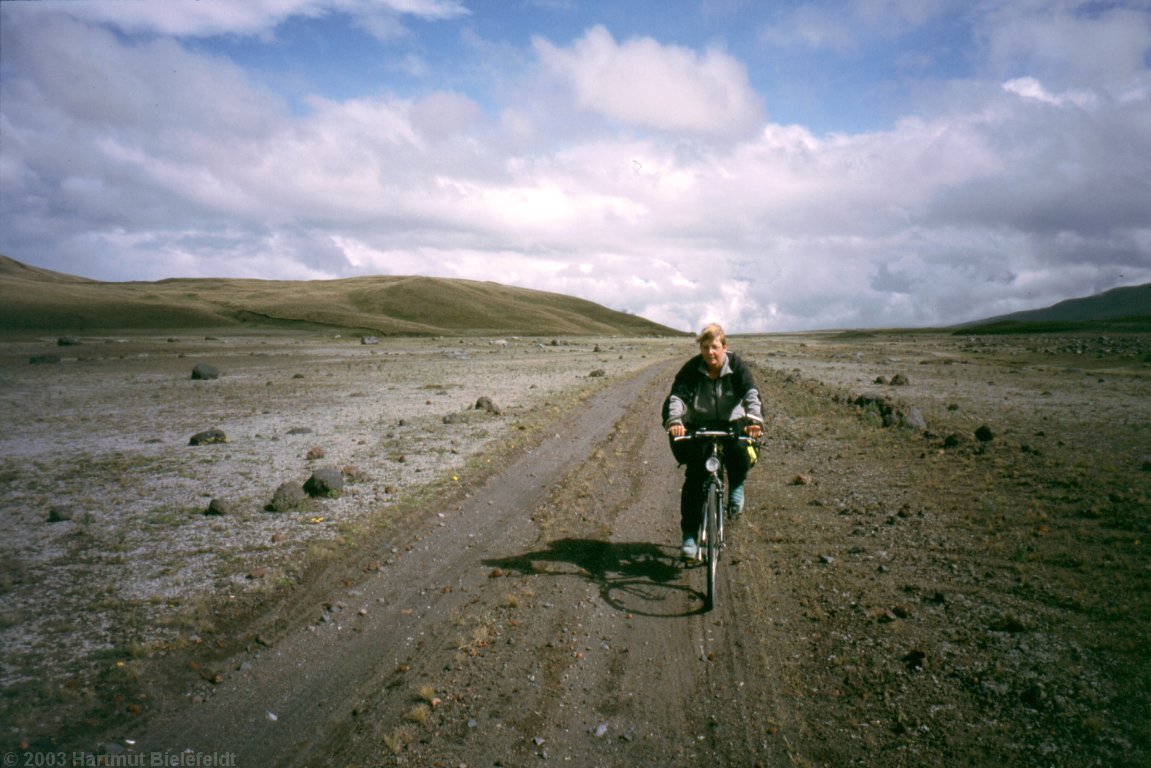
pixel 710 536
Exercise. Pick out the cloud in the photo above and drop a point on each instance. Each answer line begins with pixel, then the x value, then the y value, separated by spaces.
pixel 1068 42
pixel 642 83
pixel 847 26
pixel 145 158
pixel 192 18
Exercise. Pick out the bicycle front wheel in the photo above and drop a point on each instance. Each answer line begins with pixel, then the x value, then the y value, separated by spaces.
pixel 714 538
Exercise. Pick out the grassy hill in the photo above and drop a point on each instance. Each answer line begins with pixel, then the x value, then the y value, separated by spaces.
pixel 38 300
pixel 1120 310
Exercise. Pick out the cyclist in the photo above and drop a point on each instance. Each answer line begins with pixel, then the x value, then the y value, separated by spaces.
pixel 714 389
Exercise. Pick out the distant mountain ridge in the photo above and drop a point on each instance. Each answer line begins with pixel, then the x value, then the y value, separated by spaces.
pixel 34 299
pixel 1127 308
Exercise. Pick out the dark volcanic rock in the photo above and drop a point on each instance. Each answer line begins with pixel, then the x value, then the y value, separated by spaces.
pixel 208 437
pixel 59 514
pixel 325 481
pixel 289 495
pixel 205 372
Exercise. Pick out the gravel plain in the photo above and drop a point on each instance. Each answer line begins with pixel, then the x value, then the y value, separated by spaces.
pixel 969 591
pixel 101 437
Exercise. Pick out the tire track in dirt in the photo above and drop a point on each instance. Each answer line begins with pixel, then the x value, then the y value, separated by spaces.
pixel 609 659
pixel 347 685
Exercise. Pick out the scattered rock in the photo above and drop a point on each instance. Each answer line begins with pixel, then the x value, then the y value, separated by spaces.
pixel 485 404
pixel 1034 696
pixel 801 480
pixel 456 418
pixel 881 615
pixel 880 379
pixel 208 437
pixel 368 340
pixel 892 414
pixel 300 431
pixel 325 481
pixel 218 507
pixel 315 453
pixel 1010 624
pixel 67 341
pixel 289 495
pixel 59 514
pixel 205 372
pixel 914 418
pixel 899 380
pixel 598 373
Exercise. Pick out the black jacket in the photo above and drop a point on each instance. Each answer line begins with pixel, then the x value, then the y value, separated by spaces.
pixel 698 400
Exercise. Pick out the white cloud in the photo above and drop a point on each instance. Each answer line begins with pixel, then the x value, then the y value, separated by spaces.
pixel 192 18
pixel 1070 42
pixel 642 83
pixel 126 160
pixel 1030 88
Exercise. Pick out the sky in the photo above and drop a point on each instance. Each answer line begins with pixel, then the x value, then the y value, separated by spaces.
pixel 772 166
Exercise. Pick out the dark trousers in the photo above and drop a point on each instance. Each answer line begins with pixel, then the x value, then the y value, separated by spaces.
pixel 693 454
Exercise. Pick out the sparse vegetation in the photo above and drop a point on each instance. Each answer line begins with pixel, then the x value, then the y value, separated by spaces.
pixel 36 301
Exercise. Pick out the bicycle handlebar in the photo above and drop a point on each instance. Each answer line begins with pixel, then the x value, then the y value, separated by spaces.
pixel 702 433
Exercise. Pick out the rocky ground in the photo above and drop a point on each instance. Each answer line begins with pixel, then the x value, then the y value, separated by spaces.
pixel 948 569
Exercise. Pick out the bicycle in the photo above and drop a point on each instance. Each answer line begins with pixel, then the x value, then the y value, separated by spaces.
pixel 710 536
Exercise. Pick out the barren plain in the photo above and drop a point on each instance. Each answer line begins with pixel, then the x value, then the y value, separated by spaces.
pixel 501 586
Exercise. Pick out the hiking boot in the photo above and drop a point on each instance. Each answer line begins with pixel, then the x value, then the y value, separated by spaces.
pixel 689 549
pixel 735 502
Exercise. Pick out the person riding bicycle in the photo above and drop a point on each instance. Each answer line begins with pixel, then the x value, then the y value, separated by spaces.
pixel 714 389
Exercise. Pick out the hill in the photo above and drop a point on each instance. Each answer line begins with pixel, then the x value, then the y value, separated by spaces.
pixel 1126 309
pixel 33 299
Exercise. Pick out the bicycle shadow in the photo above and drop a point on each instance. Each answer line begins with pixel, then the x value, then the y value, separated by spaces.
pixel 636 577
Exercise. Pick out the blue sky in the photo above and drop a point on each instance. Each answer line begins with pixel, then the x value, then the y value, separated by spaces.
pixel 773 166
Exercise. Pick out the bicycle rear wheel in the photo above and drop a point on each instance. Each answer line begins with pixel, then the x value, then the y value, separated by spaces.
pixel 714 537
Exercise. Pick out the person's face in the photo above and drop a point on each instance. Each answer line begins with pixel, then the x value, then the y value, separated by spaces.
pixel 713 352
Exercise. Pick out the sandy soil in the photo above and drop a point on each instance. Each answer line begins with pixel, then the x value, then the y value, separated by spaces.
pixel 506 590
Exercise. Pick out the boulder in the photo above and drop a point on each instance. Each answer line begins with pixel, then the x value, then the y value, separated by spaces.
pixel 59 514
pixel 218 507
pixel 205 372
pixel 325 481
pixel 485 404
pixel 288 495
pixel 208 437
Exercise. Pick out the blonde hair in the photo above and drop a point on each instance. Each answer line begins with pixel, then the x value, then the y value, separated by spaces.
pixel 710 333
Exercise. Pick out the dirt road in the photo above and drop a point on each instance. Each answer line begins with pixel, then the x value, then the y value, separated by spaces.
pixel 545 615
pixel 893 596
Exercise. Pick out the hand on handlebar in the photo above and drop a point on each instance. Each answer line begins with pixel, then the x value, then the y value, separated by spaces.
pixel 677 430
pixel 754 431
